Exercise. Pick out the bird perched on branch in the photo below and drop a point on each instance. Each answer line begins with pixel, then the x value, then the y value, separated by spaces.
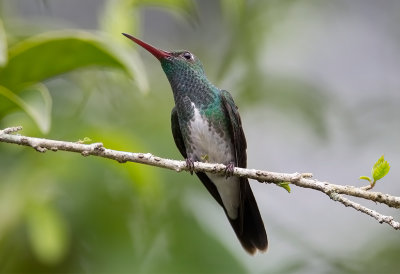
pixel 206 126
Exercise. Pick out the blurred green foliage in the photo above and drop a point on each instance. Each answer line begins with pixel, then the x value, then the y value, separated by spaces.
pixel 66 213
pixel 65 51
pixel 62 213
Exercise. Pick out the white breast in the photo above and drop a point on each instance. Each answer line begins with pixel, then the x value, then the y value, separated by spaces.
pixel 209 146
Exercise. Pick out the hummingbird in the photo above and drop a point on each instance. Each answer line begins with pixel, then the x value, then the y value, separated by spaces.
pixel 206 127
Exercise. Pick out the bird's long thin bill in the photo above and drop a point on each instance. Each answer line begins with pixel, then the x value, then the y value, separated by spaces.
pixel 158 53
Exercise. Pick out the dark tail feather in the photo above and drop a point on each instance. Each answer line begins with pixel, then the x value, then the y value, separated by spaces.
pixel 249 227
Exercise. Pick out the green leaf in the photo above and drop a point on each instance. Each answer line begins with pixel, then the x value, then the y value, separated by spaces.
pixel 380 160
pixel 37 104
pixel 365 178
pixel 53 53
pixel 3 45
pixel 285 185
pixel 204 158
pixel 380 169
pixel 85 140
pixel 47 234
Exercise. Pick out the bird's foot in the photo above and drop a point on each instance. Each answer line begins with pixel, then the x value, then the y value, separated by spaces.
pixel 190 165
pixel 230 167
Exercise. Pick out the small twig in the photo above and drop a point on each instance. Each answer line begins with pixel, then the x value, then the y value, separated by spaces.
pixel 299 179
pixel 10 130
pixel 378 216
pixel 360 192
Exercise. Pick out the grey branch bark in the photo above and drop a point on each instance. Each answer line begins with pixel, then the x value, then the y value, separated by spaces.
pixel 335 192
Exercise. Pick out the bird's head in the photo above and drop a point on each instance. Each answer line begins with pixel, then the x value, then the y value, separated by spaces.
pixel 173 62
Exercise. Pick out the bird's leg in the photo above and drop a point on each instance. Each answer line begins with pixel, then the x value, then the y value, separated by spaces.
pixel 229 169
pixel 190 165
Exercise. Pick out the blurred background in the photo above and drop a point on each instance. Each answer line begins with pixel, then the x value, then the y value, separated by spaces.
pixel 317 84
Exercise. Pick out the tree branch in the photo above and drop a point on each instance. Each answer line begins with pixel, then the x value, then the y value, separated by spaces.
pixel 335 192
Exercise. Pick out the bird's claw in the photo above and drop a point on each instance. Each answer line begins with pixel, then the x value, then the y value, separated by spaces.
pixel 190 165
pixel 229 169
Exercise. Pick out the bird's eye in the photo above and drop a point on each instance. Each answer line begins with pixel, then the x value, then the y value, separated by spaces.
pixel 187 55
